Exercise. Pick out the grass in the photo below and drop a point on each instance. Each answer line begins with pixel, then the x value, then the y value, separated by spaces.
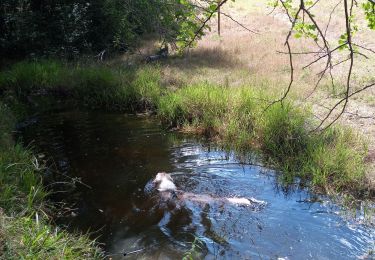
pixel 25 229
pixel 92 86
pixel 235 116
pixel 331 162
pixel 26 238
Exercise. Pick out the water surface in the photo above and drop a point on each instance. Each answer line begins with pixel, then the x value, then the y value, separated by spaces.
pixel 115 155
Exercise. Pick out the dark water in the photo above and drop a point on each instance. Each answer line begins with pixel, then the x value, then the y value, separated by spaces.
pixel 115 155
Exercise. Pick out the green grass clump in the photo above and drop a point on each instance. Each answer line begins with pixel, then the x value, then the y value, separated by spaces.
pixel 24 227
pixel 236 116
pixel 26 76
pixel 239 128
pixel 202 105
pixel 20 181
pixel 284 139
pixel 332 160
pixel 336 160
pixel 31 237
pixel 93 86
pixel 146 88
pixel 96 87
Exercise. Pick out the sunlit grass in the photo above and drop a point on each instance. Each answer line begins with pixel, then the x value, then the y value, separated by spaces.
pixel 332 161
pixel 234 115
pixel 31 237
pixel 237 117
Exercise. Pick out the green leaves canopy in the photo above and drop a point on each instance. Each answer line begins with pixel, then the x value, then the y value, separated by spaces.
pixel 69 27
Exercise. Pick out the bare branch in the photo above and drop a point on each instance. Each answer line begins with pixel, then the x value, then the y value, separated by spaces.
pixel 317 1
pixel 203 25
pixel 330 17
pixel 365 48
pixel 325 55
pixel 290 81
pixel 325 52
pixel 348 79
pixel 237 22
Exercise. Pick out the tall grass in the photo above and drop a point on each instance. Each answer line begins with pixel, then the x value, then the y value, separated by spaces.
pixel 25 77
pixel 24 227
pixel 200 105
pixel 31 237
pixel 332 161
pixel 92 86
pixel 235 116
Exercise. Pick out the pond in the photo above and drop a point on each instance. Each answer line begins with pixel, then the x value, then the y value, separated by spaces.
pixel 111 157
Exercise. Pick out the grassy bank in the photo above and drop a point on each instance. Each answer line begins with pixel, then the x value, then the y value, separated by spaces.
pixel 91 86
pixel 332 162
pixel 25 229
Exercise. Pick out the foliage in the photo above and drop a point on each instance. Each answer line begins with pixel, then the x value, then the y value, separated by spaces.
pixel 369 8
pixel 39 27
pixel 71 27
pixel 303 25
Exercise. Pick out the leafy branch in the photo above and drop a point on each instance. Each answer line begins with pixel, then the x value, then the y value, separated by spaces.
pixel 304 24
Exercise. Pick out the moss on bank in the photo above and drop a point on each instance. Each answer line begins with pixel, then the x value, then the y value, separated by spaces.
pixel 332 161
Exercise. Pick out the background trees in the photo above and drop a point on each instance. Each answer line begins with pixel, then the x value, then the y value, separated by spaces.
pixel 70 27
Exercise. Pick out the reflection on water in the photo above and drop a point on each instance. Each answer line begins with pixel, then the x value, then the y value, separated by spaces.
pixel 115 156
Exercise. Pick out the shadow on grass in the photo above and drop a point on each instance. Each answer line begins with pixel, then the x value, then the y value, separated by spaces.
pixel 214 58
